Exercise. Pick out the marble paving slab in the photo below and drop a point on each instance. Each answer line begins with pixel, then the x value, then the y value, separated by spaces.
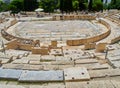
pixel 41 76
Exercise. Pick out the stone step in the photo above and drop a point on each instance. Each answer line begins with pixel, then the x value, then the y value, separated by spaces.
pixel 10 74
pixel 76 74
pixel 11 86
pixel 41 76
pixel 86 61
pixel 49 86
pixel 104 73
pixel 94 84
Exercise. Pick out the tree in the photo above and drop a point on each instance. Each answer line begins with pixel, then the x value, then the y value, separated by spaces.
pixel 75 5
pixel 16 6
pixel 61 6
pixel 49 5
pixel 82 5
pixel 30 5
pixel 97 5
pixel 3 6
pixel 66 5
pixel 118 4
pixel 90 5
pixel 115 4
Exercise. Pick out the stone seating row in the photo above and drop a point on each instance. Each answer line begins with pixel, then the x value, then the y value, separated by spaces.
pixel 74 17
pixel 67 75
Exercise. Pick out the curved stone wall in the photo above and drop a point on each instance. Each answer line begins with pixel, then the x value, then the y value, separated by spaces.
pixel 74 17
pixel 10 37
pixel 92 39
pixel 24 41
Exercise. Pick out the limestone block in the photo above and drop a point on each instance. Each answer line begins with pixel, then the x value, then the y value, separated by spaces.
pixel 104 73
pixel 101 47
pixel 10 74
pixel 76 74
pixel 42 51
pixel 56 85
pixel 5 61
pixel 13 66
pixel 63 62
pixel 21 61
pixel 10 86
pixel 41 76
pixel 86 61
pixel 89 46
pixel 48 58
pixel 54 43
pixel 33 67
pixel 34 62
pixel 56 52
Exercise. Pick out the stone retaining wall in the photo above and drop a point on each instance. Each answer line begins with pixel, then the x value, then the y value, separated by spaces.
pixel 92 39
pixel 74 17
pixel 23 42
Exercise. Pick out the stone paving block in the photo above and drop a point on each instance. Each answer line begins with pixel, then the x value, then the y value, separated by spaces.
pixel 32 58
pixel 62 67
pixel 62 62
pixel 41 76
pixel 76 74
pixel 10 86
pixel 88 66
pixel 56 52
pixel 94 66
pixel 109 84
pixel 48 58
pixel 97 84
pixel 48 86
pixel 10 74
pixel 51 67
pixel 104 73
pixel 21 61
pixel 13 66
pixel 91 84
pixel 33 67
pixel 34 62
pixel 115 58
pixel 59 58
pixel 76 85
pixel 115 64
pixel 5 61
pixel 86 61
pixel 100 67
pixel 116 83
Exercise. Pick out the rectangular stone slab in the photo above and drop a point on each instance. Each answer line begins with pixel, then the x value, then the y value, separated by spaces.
pixel 76 85
pixel 91 84
pixel 115 64
pixel 21 61
pixel 57 85
pixel 11 86
pixel 76 74
pixel 41 76
pixel 10 74
pixel 104 73
pixel 13 66
pixel 115 58
pixel 116 83
pixel 86 61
